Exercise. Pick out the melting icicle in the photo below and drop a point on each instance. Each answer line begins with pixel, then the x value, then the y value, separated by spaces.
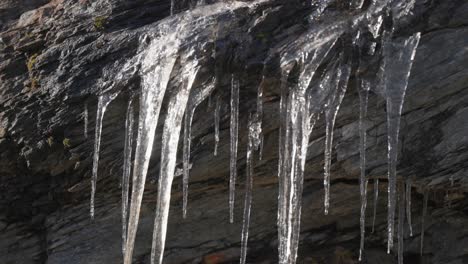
pixel 398 60
pixel 234 127
pixel 85 119
pixel 155 80
pixel 337 91
pixel 103 102
pixel 170 140
pixel 408 205
pixel 376 200
pixel 129 121
pixel 216 123
pixel 260 114
pixel 423 218
pixel 297 128
pixel 401 220
pixel 253 143
pixel 172 7
pixel 196 97
pixel 363 101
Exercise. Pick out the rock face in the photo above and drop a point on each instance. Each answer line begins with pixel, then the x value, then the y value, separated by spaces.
pixel 53 56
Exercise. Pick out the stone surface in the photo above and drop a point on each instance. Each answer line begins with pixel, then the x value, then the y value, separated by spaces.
pixel 52 58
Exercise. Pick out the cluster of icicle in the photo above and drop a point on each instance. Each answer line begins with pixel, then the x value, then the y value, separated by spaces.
pixel 338 46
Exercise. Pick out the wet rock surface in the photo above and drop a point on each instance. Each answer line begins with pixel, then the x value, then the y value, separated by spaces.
pixel 53 56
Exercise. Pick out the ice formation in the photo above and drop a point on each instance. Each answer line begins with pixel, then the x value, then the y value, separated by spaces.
pixel 234 130
pixel 315 72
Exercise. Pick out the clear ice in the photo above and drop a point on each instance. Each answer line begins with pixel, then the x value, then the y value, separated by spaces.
pixel 234 130
pixel 128 148
pixel 196 97
pixel 398 59
pixel 216 124
pixel 253 143
pixel 170 140
pixel 103 101
pixel 408 205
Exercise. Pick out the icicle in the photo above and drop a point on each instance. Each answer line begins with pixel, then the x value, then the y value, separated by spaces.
pixel 423 218
pixel 260 114
pixel 85 119
pixel 170 140
pixel 216 123
pixel 401 220
pixel 154 82
pixel 253 143
pixel 129 121
pixel 363 101
pixel 234 140
pixel 172 7
pixel 337 90
pixel 408 205
pixel 103 102
pixel 376 200
pixel 282 126
pixel 398 59
pixel 196 97
pixel 297 128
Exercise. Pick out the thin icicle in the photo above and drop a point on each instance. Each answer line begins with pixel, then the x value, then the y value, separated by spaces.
pixel 103 102
pixel 260 115
pixel 85 120
pixel 337 90
pixel 154 84
pixel 376 200
pixel 423 218
pixel 216 123
pixel 363 102
pixel 234 127
pixel 253 143
pixel 398 60
pixel 401 220
pixel 170 140
pixel 408 205
pixel 196 97
pixel 129 123
pixel 172 7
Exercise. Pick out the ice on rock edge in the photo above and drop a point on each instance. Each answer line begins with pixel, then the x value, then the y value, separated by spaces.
pixel 300 107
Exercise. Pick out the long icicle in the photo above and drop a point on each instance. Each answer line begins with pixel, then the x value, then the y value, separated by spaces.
pixel 234 141
pixel 338 90
pixel 298 125
pixel 253 142
pixel 398 60
pixel 154 87
pixel 216 124
pixel 85 120
pixel 408 205
pixel 170 140
pixel 103 102
pixel 196 97
pixel 423 218
pixel 129 123
pixel 401 219
pixel 260 115
pixel 363 102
